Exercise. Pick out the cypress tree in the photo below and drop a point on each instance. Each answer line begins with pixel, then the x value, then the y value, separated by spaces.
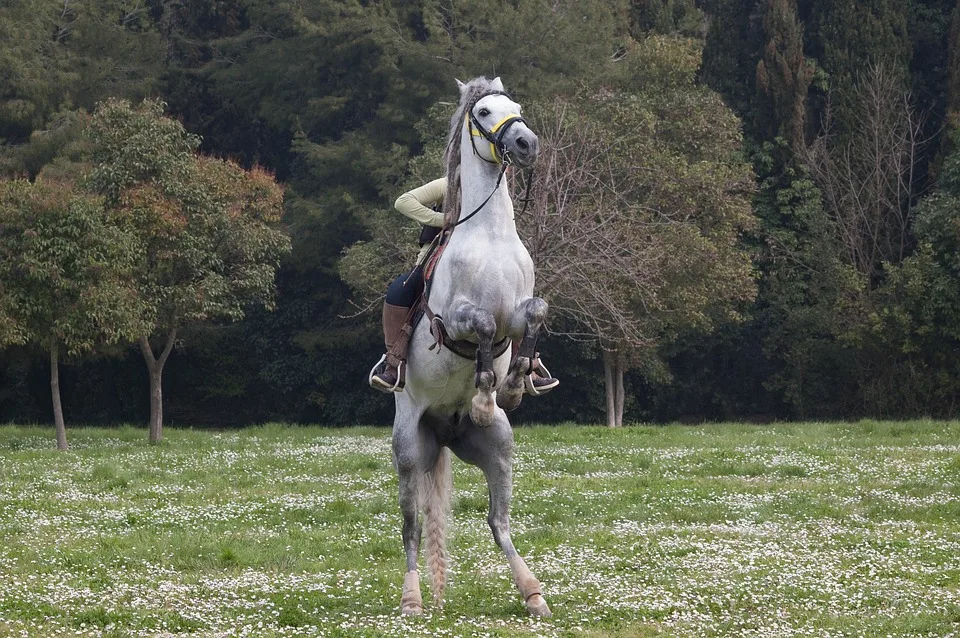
pixel 783 73
pixel 730 53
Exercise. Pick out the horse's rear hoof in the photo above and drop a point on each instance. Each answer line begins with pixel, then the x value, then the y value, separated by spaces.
pixel 412 610
pixel 537 606
pixel 411 604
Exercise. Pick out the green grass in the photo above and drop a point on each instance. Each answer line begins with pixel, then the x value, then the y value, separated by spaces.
pixel 817 529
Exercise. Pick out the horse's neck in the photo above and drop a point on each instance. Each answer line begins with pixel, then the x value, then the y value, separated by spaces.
pixel 478 179
pixel 486 242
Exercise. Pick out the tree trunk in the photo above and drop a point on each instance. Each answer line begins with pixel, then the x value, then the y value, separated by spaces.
pixel 613 379
pixel 618 378
pixel 55 392
pixel 156 404
pixel 155 370
pixel 610 383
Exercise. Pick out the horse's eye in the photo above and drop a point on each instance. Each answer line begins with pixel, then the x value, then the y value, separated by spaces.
pixel 483 112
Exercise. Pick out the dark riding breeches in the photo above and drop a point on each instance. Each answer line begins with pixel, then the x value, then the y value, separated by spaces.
pixel 406 288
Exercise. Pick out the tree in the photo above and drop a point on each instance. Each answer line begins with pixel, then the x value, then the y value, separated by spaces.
pixel 804 296
pixel 666 17
pixel 848 38
pixel 783 73
pixel 599 257
pixel 637 211
pixel 953 64
pixel 869 181
pixel 730 53
pixel 58 55
pixel 914 331
pixel 65 275
pixel 206 229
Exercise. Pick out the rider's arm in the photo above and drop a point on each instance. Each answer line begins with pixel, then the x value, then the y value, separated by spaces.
pixel 416 204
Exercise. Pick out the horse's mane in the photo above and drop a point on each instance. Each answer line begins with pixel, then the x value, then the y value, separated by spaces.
pixel 473 91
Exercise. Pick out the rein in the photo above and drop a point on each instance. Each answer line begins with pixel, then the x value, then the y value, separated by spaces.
pixel 526 191
pixel 503 169
pixel 525 199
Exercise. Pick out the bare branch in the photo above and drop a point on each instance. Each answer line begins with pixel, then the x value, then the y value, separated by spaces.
pixel 869 184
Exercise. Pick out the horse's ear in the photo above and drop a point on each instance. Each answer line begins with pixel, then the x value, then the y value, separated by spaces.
pixel 461 86
pixel 497 85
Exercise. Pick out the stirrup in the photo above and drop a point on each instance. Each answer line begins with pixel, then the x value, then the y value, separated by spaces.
pixel 374 369
pixel 528 380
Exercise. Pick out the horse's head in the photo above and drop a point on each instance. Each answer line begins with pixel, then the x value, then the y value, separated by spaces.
pixel 497 120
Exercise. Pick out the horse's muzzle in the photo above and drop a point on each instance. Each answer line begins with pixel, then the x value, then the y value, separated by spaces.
pixel 522 144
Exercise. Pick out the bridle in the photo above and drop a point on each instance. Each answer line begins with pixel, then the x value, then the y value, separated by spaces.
pixel 500 154
pixel 494 135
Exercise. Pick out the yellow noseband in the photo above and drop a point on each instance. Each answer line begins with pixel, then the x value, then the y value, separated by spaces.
pixel 475 133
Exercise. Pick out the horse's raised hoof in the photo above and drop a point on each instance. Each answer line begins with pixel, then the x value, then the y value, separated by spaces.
pixel 508 400
pixel 482 407
pixel 482 410
pixel 537 606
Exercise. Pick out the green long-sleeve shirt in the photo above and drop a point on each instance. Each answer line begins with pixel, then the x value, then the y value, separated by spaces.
pixel 416 205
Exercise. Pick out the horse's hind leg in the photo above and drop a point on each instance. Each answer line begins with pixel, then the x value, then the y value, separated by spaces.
pixel 412 454
pixel 528 319
pixel 465 321
pixel 411 601
pixel 499 482
pixel 492 450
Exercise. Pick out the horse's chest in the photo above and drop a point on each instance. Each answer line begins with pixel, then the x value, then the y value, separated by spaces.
pixel 492 279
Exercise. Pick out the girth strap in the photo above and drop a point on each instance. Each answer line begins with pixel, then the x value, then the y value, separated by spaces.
pixel 460 347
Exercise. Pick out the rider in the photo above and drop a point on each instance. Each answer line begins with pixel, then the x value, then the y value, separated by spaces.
pixel 422 205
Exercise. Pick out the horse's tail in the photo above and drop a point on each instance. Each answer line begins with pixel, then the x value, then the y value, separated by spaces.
pixel 436 490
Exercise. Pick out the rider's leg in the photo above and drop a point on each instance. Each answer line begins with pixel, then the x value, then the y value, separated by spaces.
pixel 401 295
pixel 388 379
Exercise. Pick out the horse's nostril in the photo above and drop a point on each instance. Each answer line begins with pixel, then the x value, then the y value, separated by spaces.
pixel 522 143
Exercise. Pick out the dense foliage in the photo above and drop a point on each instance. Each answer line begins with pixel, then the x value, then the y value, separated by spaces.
pixel 339 100
pixel 202 227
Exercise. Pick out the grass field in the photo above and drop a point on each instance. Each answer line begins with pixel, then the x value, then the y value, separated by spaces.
pixel 785 530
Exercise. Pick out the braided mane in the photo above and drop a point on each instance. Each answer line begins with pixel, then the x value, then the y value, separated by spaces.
pixel 473 91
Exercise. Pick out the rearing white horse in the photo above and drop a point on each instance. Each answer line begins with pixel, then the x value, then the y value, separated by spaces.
pixel 483 290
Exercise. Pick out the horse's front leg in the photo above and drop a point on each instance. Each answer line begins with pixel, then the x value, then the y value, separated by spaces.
pixel 465 321
pixel 527 320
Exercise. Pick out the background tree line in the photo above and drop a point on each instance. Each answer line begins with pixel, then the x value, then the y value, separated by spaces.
pixel 845 262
